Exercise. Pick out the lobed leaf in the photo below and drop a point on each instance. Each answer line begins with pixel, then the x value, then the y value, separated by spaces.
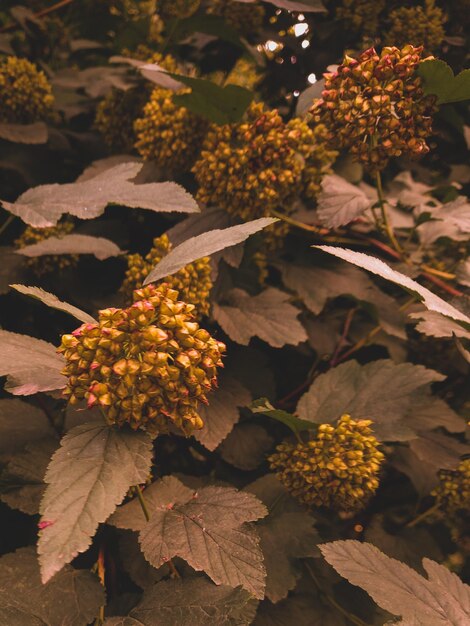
pixel 439 80
pixel 340 202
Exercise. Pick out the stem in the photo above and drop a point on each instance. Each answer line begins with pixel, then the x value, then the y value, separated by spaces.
pixel 383 210
pixel 414 522
pixel 101 571
pixel 7 223
pixel 432 270
pixel 342 339
pixel 293 222
pixel 353 618
pixel 437 281
pixel 54 7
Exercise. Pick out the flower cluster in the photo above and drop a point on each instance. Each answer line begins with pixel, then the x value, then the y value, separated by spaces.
pixel 362 16
pixel 338 468
pixel 423 26
pixel 193 282
pixel 453 491
pixel 375 107
pixel 26 92
pixel 246 18
pixel 177 8
pixel 244 74
pixel 49 262
pixel 256 165
pixel 168 134
pixel 116 113
pixel 147 365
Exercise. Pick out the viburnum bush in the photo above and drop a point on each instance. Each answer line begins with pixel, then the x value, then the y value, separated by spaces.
pixel 235 313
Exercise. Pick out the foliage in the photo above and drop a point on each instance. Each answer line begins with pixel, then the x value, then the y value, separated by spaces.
pixel 263 417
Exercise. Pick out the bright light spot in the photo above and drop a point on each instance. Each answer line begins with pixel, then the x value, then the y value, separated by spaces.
pixel 296 93
pixel 300 29
pixel 301 17
pixel 312 78
pixel 305 43
pixel 271 45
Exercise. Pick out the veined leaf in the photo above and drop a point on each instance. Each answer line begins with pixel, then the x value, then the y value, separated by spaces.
pixel 439 80
pixel 49 299
pixel 340 202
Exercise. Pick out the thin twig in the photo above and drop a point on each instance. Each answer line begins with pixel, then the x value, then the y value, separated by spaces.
pixel 440 283
pixel 383 211
pixel 15 26
pixel 7 223
pixel 344 334
pixel 417 520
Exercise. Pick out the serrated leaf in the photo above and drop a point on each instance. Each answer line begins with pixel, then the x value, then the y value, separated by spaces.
pixel 246 446
pixel 268 316
pixel 73 598
pixel 49 299
pixel 222 412
pixel 439 80
pixel 43 206
pixel 435 325
pixel 87 478
pixel 382 391
pixel 377 266
pixel 21 423
pixel 193 601
pixel 100 247
pixel 22 481
pixel 263 406
pixel 450 582
pixel 205 245
pixel 210 532
pixel 24 133
pixel 396 587
pixel 32 365
pixel 340 202
pixel 451 220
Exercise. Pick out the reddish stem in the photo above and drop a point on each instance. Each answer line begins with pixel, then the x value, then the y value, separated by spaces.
pixel 444 286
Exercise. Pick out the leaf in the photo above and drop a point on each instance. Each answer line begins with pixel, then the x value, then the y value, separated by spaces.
pixel 377 266
pixel 21 423
pixel 463 273
pixel 32 365
pixel 263 406
pixel 340 202
pixel 49 299
pixel 100 247
pixel 299 610
pixel 73 598
pixel 43 206
pixel 307 6
pixel 317 285
pixel 204 245
pixel 451 220
pixel 268 316
pixel 24 133
pixel 193 601
pixel 133 561
pixel 220 105
pixel 396 587
pixel 439 80
pixel 436 325
pixel 450 582
pixel 222 412
pixel 22 484
pixel 246 446
pixel 210 532
pixel 88 476
pixel 306 98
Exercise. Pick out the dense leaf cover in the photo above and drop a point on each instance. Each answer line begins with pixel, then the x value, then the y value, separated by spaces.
pixel 235 313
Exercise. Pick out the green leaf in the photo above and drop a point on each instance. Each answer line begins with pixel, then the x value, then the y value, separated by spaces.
pixel 87 478
pixel 439 80
pixel 43 206
pixel 32 365
pixel 443 600
pixel 221 105
pixel 263 406
pixel 268 315
pixel 204 245
pixel 207 529
pixel 73 598
pixel 100 247
pixel 192 601
pixel 391 395
pixel 377 266
pixel 49 299
pixel 222 413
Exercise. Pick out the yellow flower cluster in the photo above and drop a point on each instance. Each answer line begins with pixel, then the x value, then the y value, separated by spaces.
pixel 258 164
pixel 26 94
pixel 243 17
pixel 361 16
pixel 244 74
pixel 50 262
pixel 177 8
pixel 117 112
pixel 168 134
pixel 453 491
pixel 147 365
pixel 339 468
pixel 375 107
pixel 422 26
pixel 193 282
